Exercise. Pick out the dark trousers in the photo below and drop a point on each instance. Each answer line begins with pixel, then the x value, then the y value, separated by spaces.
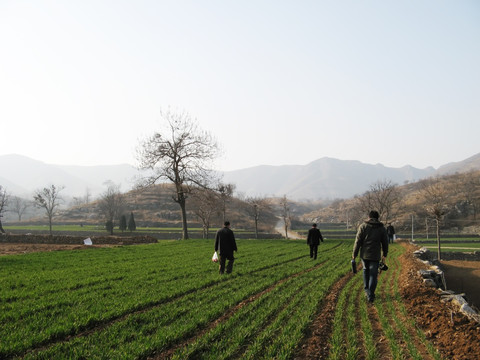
pixel 313 251
pixel 223 260
pixel 370 274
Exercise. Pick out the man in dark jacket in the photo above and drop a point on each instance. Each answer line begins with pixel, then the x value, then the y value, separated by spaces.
pixel 371 241
pixel 313 239
pixel 390 233
pixel 225 245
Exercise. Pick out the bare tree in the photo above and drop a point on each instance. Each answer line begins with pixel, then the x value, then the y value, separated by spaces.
pixel 18 206
pixel 49 199
pixel 206 204
pixel 180 154
pixel 225 192
pixel 111 205
pixel 383 196
pixel 435 195
pixel 4 197
pixel 468 188
pixel 285 214
pixel 255 208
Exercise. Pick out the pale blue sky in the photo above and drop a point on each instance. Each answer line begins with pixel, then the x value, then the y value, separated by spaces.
pixel 277 82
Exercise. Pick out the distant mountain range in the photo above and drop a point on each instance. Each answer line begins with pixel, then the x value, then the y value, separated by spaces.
pixel 325 178
pixel 328 178
pixel 21 176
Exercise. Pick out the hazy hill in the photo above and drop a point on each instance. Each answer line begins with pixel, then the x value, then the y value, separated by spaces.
pixel 470 164
pixel 325 178
pixel 460 198
pixel 21 176
pixel 322 178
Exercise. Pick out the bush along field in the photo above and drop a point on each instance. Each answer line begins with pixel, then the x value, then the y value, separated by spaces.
pixel 167 300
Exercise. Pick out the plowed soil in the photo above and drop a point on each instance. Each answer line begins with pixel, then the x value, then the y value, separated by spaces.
pixel 16 248
pixel 454 335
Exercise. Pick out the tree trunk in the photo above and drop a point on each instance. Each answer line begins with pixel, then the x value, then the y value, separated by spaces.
pixel 181 202
pixel 50 225
pixel 184 222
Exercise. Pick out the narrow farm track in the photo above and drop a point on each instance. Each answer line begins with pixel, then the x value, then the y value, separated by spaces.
pixel 167 353
pixel 378 343
pixel 361 347
pixel 316 344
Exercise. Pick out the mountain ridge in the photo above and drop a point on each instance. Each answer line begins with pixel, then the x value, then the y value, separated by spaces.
pixel 324 178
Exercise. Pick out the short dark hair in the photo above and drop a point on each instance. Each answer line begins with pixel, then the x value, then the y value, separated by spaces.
pixel 373 214
pixel 314 225
pixel 226 223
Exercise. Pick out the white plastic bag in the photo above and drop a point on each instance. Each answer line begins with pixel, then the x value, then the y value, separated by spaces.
pixel 215 257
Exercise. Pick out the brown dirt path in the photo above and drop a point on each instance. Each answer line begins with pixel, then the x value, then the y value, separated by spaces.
pixel 316 344
pixel 17 248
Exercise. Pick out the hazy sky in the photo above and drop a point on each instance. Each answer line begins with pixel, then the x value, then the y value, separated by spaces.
pixel 276 82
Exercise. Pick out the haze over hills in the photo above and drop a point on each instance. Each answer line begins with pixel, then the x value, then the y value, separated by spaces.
pixel 469 164
pixel 22 176
pixel 325 178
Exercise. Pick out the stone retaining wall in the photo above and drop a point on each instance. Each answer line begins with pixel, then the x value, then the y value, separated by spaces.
pixel 435 278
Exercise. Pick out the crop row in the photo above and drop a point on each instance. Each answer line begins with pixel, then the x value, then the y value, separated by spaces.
pixel 135 301
pixel 358 326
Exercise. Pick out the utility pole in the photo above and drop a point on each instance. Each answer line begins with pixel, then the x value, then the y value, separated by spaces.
pixel 412 227
pixel 426 226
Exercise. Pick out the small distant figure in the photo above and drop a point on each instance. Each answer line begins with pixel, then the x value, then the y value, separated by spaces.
pixel 1 227
pixel 313 239
pixel 371 241
pixel 225 245
pixel 390 233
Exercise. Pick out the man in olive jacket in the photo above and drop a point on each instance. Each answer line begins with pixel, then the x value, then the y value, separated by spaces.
pixel 371 241
pixel 225 245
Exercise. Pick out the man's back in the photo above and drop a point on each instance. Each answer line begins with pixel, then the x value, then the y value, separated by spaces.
pixel 225 241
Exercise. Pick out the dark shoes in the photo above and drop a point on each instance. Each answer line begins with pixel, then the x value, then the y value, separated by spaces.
pixel 370 299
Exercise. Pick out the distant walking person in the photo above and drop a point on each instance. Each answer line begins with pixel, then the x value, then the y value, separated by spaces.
pixel 390 233
pixel 225 245
pixel 371 241
pixel 313 239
